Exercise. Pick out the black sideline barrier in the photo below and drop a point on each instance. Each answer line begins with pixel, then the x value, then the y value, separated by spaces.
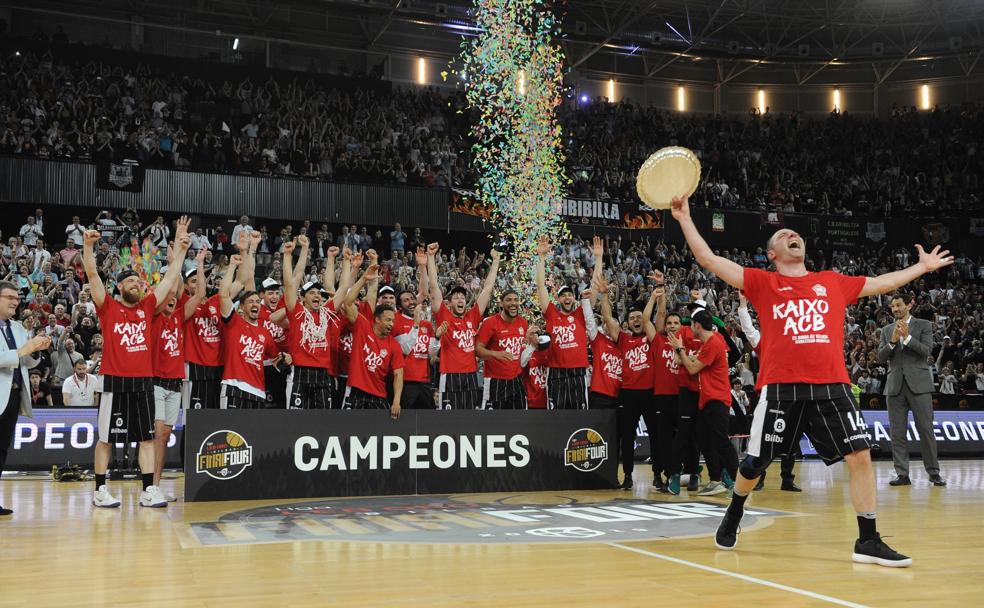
pixel 62 435
pixel 246 455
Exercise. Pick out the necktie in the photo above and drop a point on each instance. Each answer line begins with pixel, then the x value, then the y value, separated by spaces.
pixel 8 335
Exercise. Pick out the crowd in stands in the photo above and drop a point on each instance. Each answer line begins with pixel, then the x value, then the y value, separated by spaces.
pixel 44 261
pixel 908 163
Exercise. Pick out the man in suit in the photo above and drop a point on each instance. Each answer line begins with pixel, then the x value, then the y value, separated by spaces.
pixel 16 357
pixel 905 345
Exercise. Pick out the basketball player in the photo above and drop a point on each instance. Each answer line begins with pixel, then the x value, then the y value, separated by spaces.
pixel 340 329
pixel 803 320
pixel 247 344
pixel 500 343
pixel 710 365
pixel 459 384
pixel 375 354
pixel 534 361
pixel 666 386
pixel 273 317
pixel 606 365
pixel 309 317
pixel 569 337
pixel 635 396
pixel 127 400
pixel 415 335
pixel 169 363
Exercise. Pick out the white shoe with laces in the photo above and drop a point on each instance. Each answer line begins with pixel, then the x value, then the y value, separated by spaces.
pixel 102 498
pixel 152 497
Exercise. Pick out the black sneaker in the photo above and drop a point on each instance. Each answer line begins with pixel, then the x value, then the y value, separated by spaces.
pixel 693 483
pixel 936 480
pixel 875 551
pixel 901 480
pixel 789 486
pixel 658 484
pixel 6 511
pixel 626 483
pixel 727 533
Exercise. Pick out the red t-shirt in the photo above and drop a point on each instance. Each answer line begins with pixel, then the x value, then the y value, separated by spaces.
pixel 128 337
pixel 169 361
pixel 308 337
pixel 569 337
pixel 802 324
pixel 535 380
pixel 203 333
pixel 606 366
pixel 714 384
pixel 637 371
pixel 498 334
pixel 341 340
pixel 277 331
pixel 416 364
pixel 458 342
pixel 247 347
pixel 691 346
pixel 666 379
pixel 373 358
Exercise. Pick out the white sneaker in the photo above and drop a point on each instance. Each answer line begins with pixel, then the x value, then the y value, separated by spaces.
pixel 152 497
pixel 712 488
pixel 684 479
pixel 102 498
pixel 170 497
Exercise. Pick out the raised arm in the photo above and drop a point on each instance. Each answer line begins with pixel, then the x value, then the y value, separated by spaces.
pixel 745 319
pixel 601 287
pixel 302 259
pixel 173 275
pixel 726 270
pixel 328 276
pixel 542 295
pixel 348 305
pixel 345 283
pixel 199 295
pixel 435 289
pixel 290 282
pixel 598 249
pixel 486 294
pixel 96 287
pixel 225 286
pixel 890 281
pixel 372 289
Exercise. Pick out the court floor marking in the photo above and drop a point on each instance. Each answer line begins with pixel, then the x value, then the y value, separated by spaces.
pixel 744 577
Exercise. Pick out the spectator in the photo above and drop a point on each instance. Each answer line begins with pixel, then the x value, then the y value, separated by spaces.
pixel 73 232
pixel 79 389
pixel 30 232
pixel 397 239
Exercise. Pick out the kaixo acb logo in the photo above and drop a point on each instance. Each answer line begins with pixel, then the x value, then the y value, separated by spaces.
pixel 224 455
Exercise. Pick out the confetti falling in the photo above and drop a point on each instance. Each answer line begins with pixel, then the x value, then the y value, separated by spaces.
pixel 514 86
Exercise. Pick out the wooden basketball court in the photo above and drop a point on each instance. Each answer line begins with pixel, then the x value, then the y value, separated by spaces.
pixel 58 550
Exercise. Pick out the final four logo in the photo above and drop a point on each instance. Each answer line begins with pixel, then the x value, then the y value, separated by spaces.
pixel 586 450
pixel 223 455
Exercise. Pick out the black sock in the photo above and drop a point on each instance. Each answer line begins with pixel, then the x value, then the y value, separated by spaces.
pixel 100 480
pixel 148 480
pixel 866 526
pixel 737 506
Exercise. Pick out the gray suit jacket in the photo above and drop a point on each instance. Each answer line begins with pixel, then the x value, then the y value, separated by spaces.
pixel 908 361
pixel 8 363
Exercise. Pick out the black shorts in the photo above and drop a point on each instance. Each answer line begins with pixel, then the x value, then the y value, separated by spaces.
pixel 309 388
pixel 276 387
pixel 602 402
pixel 204 385
pixel 357 399
pixel 827 413
pixel 338 385
pixel 567 389
pixel 460 392
pixel 417 396
pixel 126 417
pixel 504 394
pixel 235 398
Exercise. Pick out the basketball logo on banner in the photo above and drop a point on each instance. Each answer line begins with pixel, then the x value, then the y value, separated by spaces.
pixel 586 450
pixel 223 455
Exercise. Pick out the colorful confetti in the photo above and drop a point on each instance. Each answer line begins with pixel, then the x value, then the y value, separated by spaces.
pixel 514 86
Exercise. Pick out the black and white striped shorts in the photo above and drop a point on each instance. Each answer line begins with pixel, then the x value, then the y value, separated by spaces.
pixel 504 394
pixel 358 399
pixel 460 392
pixel 235 398
pixel 567 389
pixel 309 388
pixel 827 413
pixel 126 416
pixel 203 384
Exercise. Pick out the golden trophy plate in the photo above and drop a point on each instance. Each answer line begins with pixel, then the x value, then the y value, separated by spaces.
pixel 669 172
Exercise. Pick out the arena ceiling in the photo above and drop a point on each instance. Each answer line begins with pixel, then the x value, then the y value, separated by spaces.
pixel 798 42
